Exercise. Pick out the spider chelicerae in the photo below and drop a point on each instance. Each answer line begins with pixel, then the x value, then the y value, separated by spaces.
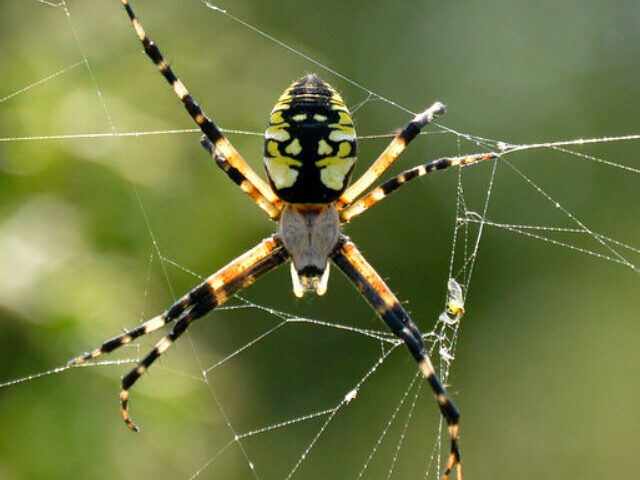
pixel 309 155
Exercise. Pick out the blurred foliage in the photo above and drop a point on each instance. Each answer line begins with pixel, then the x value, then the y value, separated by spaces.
pixel 546 373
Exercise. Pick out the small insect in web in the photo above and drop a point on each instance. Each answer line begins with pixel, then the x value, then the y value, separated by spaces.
pixel 455 299
pixel 309 155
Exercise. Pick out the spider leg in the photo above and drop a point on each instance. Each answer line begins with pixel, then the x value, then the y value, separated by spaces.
pixel 245 185
pixel 393 151
pixel 347 257
pixel 208 127
pixel 147 327
pixel 212 293
pixel 193 298
pixel 380 192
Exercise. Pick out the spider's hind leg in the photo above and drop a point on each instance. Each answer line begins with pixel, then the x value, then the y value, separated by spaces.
pixel 177 309
pixel 178 329
pixel 349 259
pixel 213 292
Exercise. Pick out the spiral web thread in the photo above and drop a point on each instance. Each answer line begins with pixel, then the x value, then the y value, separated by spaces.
pixel 465 249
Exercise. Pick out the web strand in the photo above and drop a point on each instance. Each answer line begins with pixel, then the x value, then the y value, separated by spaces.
pixel 466 238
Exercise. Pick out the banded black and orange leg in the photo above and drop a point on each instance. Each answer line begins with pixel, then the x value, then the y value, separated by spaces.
pixel 208 127
pixel 177 309
pixel 347 257
pixel 393 151
pixel 212 293
pixel 273 210
pixel 380 192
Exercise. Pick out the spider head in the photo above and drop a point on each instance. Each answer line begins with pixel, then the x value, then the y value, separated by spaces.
pixel 310 143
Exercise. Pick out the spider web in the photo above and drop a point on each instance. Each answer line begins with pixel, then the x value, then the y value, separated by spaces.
pixel 240 403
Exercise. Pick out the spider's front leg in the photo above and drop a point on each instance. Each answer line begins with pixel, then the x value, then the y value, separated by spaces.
pixel 210 294
pixel 392 152
pixel 380 193
pixel 349 259
pixel 228 157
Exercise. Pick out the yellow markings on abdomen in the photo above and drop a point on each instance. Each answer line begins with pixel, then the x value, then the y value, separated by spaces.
pixel 280 171
pixel 324 148
pixel 294 148
pixel 335 169
pixel 276 117
pixel 278 132
pixel 344 149
pixel 279 167
pixel 334 174
pixel 341 133
pixel 345 119
pixel 310 143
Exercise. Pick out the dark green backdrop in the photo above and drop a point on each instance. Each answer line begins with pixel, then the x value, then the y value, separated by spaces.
pixel 546 370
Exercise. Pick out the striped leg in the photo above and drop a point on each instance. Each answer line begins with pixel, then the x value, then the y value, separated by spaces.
pixel 212 293
pixel 379 193
pixel 208 127
pixel 245 185
pixel 347 257
pixel 215 291
pixel 393 151
pixel 147 327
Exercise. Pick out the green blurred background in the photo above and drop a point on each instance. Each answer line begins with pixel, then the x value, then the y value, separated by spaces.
pixel 546 371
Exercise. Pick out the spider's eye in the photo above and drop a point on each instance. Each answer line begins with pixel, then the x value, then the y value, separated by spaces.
pixel 310 143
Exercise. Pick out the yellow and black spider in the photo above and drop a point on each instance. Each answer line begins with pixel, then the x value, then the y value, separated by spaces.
pixel 309 155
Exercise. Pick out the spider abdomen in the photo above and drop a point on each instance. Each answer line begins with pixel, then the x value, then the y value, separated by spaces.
pixel 310 143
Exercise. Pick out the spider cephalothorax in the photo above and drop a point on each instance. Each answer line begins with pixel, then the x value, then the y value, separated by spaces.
pixel 309 233
pixel 310 151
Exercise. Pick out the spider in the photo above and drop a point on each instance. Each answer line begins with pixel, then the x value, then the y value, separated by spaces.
pixel 309 155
